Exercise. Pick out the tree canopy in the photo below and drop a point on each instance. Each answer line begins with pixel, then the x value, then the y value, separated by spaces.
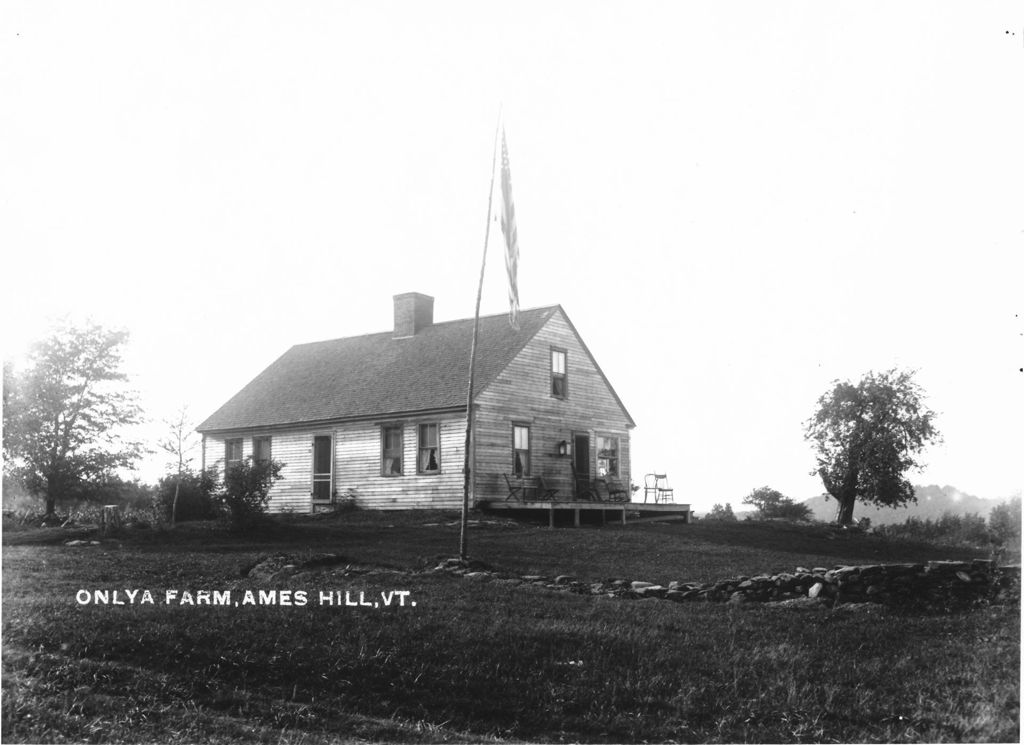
pixel 867 436
pixel 65 414
pixel 773 503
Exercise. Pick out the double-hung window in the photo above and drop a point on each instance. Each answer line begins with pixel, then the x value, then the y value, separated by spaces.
pixel 429 460
pixel 520 450
pixel 391 450
pixel 232 452
pixel 607 456
pixel 559 373
pixel 261 449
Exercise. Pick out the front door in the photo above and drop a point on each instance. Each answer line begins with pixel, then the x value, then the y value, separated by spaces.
pixel 322 468
pixel 581 462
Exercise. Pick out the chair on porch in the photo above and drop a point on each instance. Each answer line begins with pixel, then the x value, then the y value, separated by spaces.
pixel 583 487
pixel 613 490
pixel 514 489
pixel 543 490
pixel 657 484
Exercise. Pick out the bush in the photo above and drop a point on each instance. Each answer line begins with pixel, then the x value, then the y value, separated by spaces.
pixel 196 499
pixel 723 514
pixel 1004 522
pixel 959 530
pixel 246 490
pixel 771 503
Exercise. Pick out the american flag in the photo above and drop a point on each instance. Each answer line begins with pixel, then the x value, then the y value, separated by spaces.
pixel 508 228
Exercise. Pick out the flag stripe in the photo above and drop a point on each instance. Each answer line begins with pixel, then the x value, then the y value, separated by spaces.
pixel 508 228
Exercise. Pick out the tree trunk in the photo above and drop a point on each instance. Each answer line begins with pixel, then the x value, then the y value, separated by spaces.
pixel 844 513
pixel 51 496
pixel 174 504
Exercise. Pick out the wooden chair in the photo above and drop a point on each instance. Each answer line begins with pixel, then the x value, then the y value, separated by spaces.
pixel 657 484
pixel 514 490
pixel 543 490
pixel 582 485
pixel 616 491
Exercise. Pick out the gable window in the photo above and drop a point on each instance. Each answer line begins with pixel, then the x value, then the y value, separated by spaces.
pixel 607 456
pixel 559 374
pixel 232 452
pixel 261 449
pixel 391 450
pixel 429 449
pixel 520 450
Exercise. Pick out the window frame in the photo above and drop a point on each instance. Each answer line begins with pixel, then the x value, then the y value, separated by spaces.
pixel 559 376
pixel 525 472
pixel 616 460
pixel 255 448
pixel 228 442
pixel 384 449
pixel 420 448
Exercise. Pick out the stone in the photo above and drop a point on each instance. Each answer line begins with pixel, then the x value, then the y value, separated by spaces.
pixel 651 591
pixel 738 597
pixel 477 576
pixel 531 577
pixel 816 589
pixel 564 579
pixel 639 585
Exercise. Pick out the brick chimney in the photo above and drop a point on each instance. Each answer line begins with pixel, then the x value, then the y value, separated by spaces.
pixel 413 312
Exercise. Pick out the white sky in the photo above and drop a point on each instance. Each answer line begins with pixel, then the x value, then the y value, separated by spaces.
pixel 736 203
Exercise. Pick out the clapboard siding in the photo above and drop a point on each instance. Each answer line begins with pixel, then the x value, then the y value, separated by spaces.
pixel 357 465
pixel 522 394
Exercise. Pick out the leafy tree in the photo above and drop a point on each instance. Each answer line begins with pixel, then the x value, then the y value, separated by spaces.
pixel 1004 522
pixel 772 503
pixel 64 414
pixel 246 490
pixel 179 443
pixel 190 494
pixel 866 436
pixel 718 512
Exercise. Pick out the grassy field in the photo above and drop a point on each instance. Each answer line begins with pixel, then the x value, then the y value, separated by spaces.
pixel 486 661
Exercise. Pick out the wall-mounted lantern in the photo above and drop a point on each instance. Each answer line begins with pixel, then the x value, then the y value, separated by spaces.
pixel 564 448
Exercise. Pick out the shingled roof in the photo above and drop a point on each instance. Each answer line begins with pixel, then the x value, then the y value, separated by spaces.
pixel 378 374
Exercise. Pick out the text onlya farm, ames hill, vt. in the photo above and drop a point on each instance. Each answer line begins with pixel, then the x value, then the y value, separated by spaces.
pixel 243 598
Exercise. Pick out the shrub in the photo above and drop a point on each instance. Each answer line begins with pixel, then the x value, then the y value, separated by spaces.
pixel 246 490
pixel 724 514
pixel 195 496
pixel 771 503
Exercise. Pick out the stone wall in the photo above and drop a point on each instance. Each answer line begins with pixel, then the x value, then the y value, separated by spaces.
pixel 941 584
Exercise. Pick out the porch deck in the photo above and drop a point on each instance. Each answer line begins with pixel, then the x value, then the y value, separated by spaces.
pixel 618 509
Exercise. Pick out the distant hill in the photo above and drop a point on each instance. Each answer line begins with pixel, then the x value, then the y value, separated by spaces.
pixel 932 502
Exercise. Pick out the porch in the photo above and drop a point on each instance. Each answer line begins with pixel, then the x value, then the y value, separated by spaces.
pixel 618 510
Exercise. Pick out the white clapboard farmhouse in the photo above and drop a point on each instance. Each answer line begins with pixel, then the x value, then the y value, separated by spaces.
pixel 383 416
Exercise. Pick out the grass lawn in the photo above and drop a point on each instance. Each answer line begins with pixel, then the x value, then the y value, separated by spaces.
pixel 487 661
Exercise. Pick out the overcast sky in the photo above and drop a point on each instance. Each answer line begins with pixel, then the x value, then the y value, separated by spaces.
pixel 735 203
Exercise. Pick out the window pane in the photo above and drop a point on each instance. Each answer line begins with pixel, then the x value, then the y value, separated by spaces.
pixel 428 435
pixel 558 362
pixel 558 386
pixel 392 451
pixel 261 448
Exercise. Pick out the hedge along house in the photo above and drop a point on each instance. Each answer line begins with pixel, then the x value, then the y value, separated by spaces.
pixel 382 417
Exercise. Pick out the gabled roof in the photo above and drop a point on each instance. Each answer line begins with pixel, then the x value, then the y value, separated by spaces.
pixel 377 374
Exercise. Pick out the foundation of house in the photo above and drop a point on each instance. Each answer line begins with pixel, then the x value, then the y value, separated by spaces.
pixel 636 511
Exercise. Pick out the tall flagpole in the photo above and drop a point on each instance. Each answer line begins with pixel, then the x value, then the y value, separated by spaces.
pixel 472 356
